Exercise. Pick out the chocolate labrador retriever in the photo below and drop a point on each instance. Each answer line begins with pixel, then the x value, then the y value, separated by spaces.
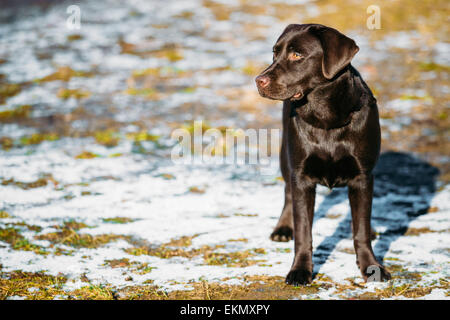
pixel 331 136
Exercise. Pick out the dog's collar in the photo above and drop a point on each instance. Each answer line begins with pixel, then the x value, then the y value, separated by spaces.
pixel 295 104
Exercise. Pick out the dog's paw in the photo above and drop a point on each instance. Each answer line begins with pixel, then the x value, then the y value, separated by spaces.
pixel 375 273
pixel 282 234
pixel 299 277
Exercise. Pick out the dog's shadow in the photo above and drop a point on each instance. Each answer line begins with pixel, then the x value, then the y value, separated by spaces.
pixel 404 186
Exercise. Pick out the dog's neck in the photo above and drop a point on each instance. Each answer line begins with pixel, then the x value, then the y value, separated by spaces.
pixel 331 104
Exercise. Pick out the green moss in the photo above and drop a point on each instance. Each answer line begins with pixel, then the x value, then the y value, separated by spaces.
pixel 73 224
pixel 246 214
pixel 19 283
pixel 134 266
pixel 252 288
pixel 418 231
pixel 405 290
pixel 34 139
pixel 239 240
pixel 170 54
pixel 188 90
pixel 93 292
pixel 64 73
pixel 173 248
pixel 42 181
pixel 148 93
pixel 414 97
pixel 86 155
pixel 202 127
pixel 4 214
pixel 73 93
pixel 70 237
pixel 6 143
pixel 161 73
pixel 8 90
pixel 74 37
pixel 233 259
pixel 252 69
pixel 118 263
pixel 432 66
pixel 37 138
pixel 195 189
pixel 143 136
pixel 22 112
pixel 30 227
pixel 108 138
pixel 18 242
pixel 118 220
pixel 176 248
pixel 146 72
pixel 115 155
pixel 167 176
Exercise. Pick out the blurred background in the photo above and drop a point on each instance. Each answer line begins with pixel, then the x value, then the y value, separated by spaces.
pixel 136 70
pixel 85 121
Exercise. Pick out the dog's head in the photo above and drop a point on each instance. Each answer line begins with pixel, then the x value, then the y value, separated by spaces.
pixel 304 56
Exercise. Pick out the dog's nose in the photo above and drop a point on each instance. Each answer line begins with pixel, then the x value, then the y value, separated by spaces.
pixel 262 81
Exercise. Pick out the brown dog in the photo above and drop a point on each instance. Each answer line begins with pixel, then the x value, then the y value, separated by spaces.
pixel 331 136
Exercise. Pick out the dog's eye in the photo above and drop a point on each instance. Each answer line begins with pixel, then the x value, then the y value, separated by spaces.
pixel 294 56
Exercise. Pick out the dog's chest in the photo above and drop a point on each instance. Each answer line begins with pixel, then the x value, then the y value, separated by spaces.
pixel 330 171
pixel 325 156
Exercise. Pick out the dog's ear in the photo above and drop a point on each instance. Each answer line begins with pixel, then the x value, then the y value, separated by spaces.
pixel 338 50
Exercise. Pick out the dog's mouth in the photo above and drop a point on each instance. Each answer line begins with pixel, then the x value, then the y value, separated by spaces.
pixel 297 96
pixel 281 94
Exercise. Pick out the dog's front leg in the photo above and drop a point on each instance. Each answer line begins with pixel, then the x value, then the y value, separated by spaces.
pixel 303 197
pixel 360 191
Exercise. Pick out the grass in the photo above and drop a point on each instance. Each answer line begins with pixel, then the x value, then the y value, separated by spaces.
pixel 6 143
pixel 16 114
pixel 4 214
pixel 37 138
pixel 33 286
pixel 148 93
pixel 86 155
pixel 68 235
pixel 133 266
pixel 419 231
pixel 92 292
pixel 17 241
pixel 27 140
pixel 252 288
pixel 233 259
pixel 257 287
pixel 142 136
pixel 8 90
pixel 107 138
pixel 118 220
pixel 178 248
pixel 78 94
pixel 43 181
pixel 64 73
pixel 74 37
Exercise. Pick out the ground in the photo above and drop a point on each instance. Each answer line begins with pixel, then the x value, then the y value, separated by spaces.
pixel 93 207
